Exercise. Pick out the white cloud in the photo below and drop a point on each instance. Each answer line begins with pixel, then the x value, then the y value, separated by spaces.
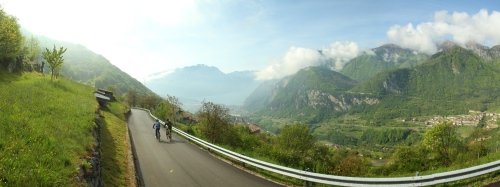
pixel 459 27
pixel 297 58
pixel 341 53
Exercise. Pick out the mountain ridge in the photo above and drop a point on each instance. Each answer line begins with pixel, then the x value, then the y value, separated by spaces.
pixel 457 78
pixel 85 66
pixel 383 58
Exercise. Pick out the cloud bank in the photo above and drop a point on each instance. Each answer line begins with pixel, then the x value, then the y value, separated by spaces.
pixel 297 58
pixel 459 27
pixel 341 53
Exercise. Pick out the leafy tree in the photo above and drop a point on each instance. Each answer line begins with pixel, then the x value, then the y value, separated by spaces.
pixel 173 107
pixel 131 98
pixel 11 39
pixel 31 53
pixel 350 164
pixel 31 49
pixel 411 159
pixel 169 108
pixel 320 160
pixel 296 138
pixel 293 144
pixel 149 101
pixel 442 141
pixel 214 120
pixel 55 60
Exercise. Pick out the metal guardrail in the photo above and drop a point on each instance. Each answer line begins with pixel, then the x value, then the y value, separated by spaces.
pixel 425 180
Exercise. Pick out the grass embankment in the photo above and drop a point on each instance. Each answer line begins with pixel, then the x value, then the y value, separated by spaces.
pixel 45 130
pixel 117 164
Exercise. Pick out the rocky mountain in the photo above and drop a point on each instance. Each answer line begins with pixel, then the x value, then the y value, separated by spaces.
pixel 452 81
pixel 194 84
pixel 383 58
pixel 85 66
pixel 482 51
pixel 314 93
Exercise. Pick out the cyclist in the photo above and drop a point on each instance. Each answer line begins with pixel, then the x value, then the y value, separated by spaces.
pixel 156 126
pixel 168 129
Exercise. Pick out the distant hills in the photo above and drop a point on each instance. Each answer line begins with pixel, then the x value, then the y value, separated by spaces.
pixel 193 84
pixel 389 83
pixel 85 66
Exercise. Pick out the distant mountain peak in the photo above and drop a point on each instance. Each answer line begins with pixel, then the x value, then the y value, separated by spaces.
pixel 475 45
pixel 447 45
pixel 390 46
pixel 391 49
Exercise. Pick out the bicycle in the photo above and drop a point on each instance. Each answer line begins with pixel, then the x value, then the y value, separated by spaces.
pixel 157 134
pixel 168 134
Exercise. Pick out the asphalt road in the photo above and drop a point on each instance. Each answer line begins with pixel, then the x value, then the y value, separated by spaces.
pixel 180 163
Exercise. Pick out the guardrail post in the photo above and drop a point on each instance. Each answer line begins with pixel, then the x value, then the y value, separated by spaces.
pixel 306 182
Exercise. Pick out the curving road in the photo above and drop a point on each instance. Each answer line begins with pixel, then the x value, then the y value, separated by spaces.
pixel 179 163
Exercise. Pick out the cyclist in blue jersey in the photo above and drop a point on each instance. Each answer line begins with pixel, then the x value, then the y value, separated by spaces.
pixel 156 126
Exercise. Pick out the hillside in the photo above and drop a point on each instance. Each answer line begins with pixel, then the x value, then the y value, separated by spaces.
pixel 194 84
pixel 261 96
pixel 48 133
pixel 383 58
pixel 312 94
pixel 453 81
pixel 85 66
pixel 45 128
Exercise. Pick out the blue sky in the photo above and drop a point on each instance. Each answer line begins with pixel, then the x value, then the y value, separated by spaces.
pixel 151 36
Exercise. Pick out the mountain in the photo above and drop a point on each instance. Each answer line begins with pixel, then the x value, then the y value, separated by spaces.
pixel 194 84
pixel 452 81
pixel 383 58
pixel 261 96
pixel 312 94
pixel 85 66
pixel 484 51
pixel 480 50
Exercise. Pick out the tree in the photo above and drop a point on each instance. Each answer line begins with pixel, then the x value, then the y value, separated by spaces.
pixel 442 141
pixel 351 165
pixel 173 107
pixel 296 138
pixel 31 49
pixel 11 39
pixel 410 159
pixel 31 54
pixel 150 101
pixel 131 98
pixel 293 145
pixel 55 60
pixel 214 120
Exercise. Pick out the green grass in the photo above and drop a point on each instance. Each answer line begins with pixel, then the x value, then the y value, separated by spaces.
pixel 115 146
pixel 45 130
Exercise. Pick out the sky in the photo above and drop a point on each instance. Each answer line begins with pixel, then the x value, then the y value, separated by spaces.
pixel 273 37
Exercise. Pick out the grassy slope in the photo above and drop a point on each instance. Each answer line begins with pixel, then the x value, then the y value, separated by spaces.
pixel 46 133
pixel 115 158
pixel 45 130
